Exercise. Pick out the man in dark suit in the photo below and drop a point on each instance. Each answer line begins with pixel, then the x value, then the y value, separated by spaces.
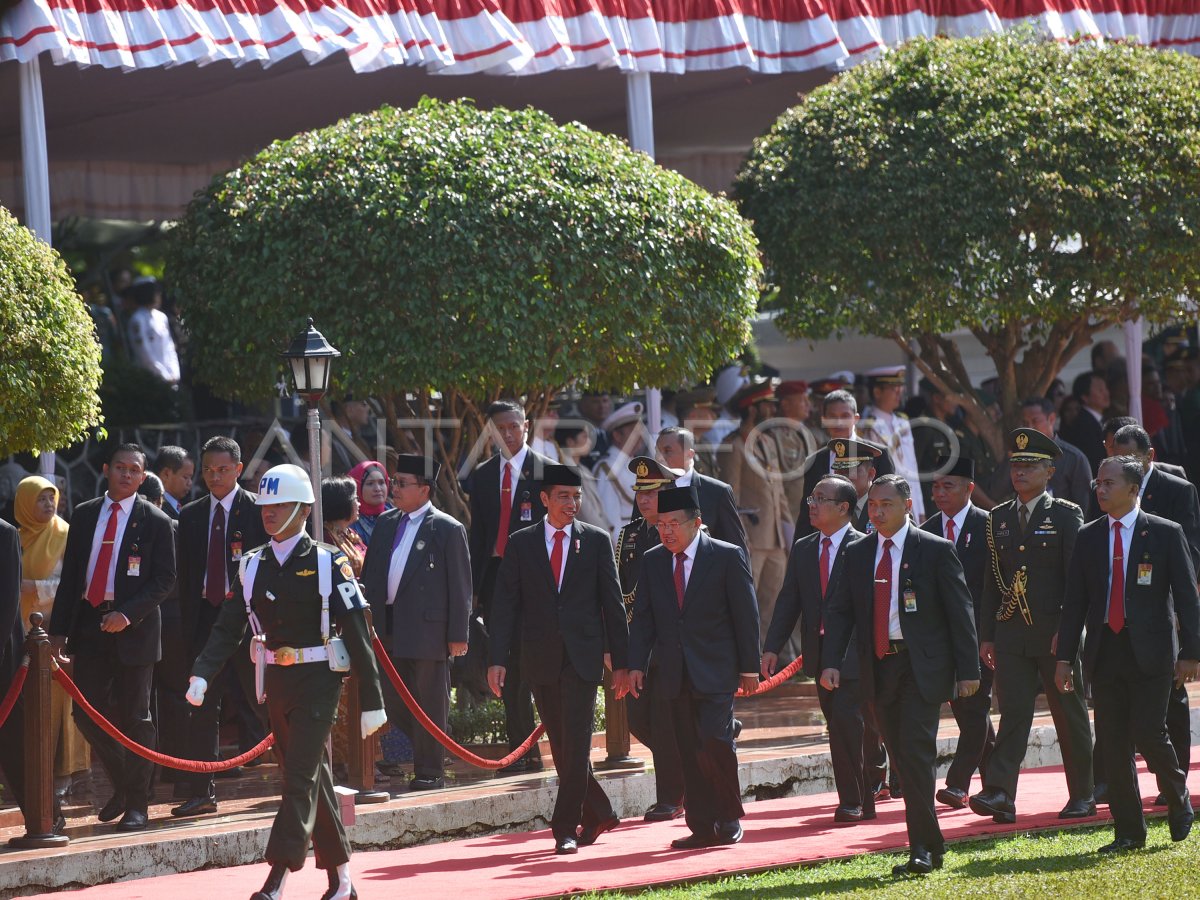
pixel 557 589
pixel 696 612
pixel 1086 430
pixel 839 414
pixel 1030 538
pixel 214 532
pixel 1133 654
pixel 904 596
pixel 417 578
pixel 12 638
pixel 118 566
pixel 814 566
pixel 505 499
pixel 964 525
pixel 175 469
pixel 676 447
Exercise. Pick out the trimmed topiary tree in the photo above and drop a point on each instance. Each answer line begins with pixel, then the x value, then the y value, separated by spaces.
pixel 49 356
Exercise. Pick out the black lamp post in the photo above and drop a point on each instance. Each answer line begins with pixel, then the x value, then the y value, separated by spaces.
pixel 310 357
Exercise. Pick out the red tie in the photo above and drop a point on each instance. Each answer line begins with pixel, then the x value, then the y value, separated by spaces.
pixel 95 591
pixel 883 599
pixel 214 573
pixel 826 543
pixel 679 558
pixel 556 557
pixel 1116 592
pixel 505 509
pixel 950 530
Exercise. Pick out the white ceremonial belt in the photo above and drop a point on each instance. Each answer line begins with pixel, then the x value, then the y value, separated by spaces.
pixel 292 656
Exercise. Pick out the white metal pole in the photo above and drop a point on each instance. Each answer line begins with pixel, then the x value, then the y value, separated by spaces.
pixel 1133 365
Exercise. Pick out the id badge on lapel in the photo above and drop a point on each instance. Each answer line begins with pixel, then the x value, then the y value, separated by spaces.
pixel 235 547
pixel 909 598
pixel 134 568
pixel 526 508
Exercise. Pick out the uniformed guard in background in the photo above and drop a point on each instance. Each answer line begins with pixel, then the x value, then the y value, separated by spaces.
pixel 293 591
pixel 1030 539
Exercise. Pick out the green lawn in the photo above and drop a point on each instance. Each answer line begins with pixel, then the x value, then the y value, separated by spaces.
pixel 1050 864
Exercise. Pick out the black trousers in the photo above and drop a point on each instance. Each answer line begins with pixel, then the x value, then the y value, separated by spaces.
pixel 170 684
pixel 1017 680
pixel 976 736
pixel 650 722
pixel 909 724
pixel 12 747
pixel 1131 710
pixel 1179 730
pixel 121 694
pixel 875 755
pixel 703 726
pixel 429 682
pixel 844 715
pixel 568 708
pixel 517 697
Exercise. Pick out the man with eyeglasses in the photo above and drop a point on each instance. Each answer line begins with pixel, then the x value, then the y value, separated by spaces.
pixel 214 532
pixel 118 567
pixel 813 568
pixel 417 579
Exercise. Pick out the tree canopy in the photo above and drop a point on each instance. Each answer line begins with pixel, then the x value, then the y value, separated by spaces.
pixel 49 357
pixel 1030 192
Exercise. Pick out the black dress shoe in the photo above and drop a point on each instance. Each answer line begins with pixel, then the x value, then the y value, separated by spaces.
pixel 196 806
pixel 897 790
pixel 848 814
pixel 60 823
pixel 334 884
pixel 272 888
pixel 883 792
pixel 868 811
pixel 663 812
pixel 589 833
pixel 1160 800
pixel 565 846
pixel 1100 794
pixel 1180 821
pixel 1078 809
pixel 695 841
pixel 920 862
pixel 112 809
pixel 728 832
pixel 1122 845
pixel 133 820
pixel 996 804
pixel 426 783
pixel 737 728
pixel 952 797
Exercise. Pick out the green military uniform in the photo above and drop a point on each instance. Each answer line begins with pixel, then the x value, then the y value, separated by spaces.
pixel 1022 603
pixel 302 698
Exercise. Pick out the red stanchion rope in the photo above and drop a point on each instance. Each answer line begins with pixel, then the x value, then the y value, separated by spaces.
pixel 440 736
pixel 171 762
pixel 14 690
pixel 775 680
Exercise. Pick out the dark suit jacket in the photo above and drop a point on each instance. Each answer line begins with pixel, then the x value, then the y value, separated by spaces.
pixel 1151 610
pixel 940 635
pixel 137 597
pixel 816 467
pixel 12 631
pixel 1088 435
pixel 970 546
pixel 800 600
pixel 578 624
pixel 718 510
pixel 715 634
pixel 244 525
pixel 433 601
pixel 484 488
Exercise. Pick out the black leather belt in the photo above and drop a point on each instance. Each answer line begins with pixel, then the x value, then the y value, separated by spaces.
pixel 895 647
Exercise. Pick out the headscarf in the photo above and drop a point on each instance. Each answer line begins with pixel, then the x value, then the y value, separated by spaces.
pixel 359 474
pixel 42 545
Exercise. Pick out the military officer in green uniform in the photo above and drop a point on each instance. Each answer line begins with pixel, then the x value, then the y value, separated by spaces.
pixel 1030 539
pixel 301 662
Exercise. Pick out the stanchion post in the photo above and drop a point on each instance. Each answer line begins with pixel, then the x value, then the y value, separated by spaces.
pixel 39 753
pixel 616 731
pixel 359 749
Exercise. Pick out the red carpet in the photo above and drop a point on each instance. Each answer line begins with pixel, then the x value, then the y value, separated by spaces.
pixel 515 866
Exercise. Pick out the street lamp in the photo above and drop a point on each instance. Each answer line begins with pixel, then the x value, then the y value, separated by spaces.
pixel 310 357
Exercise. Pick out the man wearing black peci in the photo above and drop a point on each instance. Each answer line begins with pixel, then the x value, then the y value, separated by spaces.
pixel 814 566
pixel 1132 583
pixel 696 612
pixel 557 591
pixel 904 596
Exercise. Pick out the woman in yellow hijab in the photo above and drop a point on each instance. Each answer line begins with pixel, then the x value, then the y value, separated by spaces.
pixel 43 542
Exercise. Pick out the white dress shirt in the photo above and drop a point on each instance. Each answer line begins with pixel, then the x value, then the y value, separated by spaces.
pixel 400 557
pixel 835 541
pixel 566 547
pixel 227 503
pixel 125 509
pixel 515 462
pixel 958 519
pixel 898 539
pixel 1127 522
pixel 283 549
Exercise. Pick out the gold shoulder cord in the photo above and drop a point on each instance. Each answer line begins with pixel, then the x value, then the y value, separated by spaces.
pixel 1014 596
pixel 627 599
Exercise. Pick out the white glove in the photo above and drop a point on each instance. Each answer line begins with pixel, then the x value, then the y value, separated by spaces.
pixel 371 721
pixel 195 692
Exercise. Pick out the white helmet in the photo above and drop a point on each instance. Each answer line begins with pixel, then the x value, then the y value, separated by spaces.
pixel 284 484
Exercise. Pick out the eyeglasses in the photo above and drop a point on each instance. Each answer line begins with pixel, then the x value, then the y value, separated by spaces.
pixel 397 483
pixel 814 500
pixel 664 525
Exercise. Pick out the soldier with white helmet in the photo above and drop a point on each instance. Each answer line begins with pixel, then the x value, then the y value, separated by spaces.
pixel 305 607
